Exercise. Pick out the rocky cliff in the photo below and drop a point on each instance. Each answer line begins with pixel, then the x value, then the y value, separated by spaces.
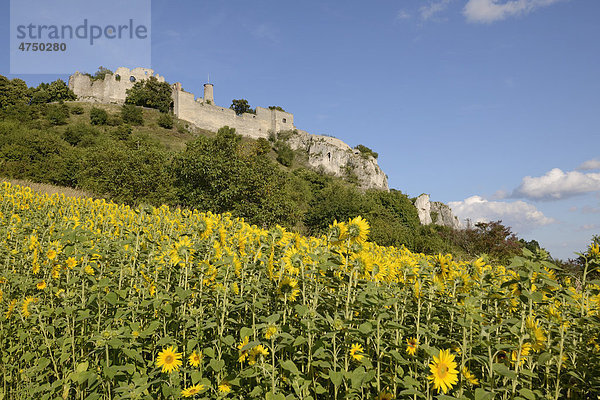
pixel 332 156
pixel 435 212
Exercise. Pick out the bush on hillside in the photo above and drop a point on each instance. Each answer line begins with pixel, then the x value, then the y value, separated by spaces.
pixel 57 114
pixel 165 120
pixel 285 154
pixel 132 114
pixel 98 116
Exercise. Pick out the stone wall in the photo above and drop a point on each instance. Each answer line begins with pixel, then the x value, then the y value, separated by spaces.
pixel 113 88
pixel 209 116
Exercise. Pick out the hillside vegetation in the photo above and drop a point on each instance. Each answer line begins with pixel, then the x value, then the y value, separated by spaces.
pixel 101 300
pixel 141 156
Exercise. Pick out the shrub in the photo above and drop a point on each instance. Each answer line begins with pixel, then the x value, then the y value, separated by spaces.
pixel 57 114
pixel 114 120
pixel 122 132
pixel 98 116
pixel 77 109
pixel 262 146
pixel 241 106
pixel 132 114
pixel 165 121
pixel 366 152
pixel 182 128
pixel 75 134
pixel 285 154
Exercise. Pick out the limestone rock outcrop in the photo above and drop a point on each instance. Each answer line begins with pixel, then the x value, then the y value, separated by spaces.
pixel 332 156
pixel 435 212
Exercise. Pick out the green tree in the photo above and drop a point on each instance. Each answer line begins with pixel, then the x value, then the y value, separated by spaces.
pixel 13 92
pixel 216 174
pixel 51 92
pixel 150 93
pixel 132 114
pixel 130 175
pixel 241 106
pixel 101 74
pixel 276 108
pixel 337 201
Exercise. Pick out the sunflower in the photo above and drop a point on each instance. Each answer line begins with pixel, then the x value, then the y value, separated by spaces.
pixel 412 346
pixel 224 387
pixel 51 254
pixel 385 396
pixel 338 231
pixel 258 352
pixel 41 285
pixel 358 230
pixel 537 333
pixel 525 351
pixel 243 353
pixel 25 307
pixel 169 360
pixel 195 359
pixel 270 331
pixel 11 308
pixel 468 375
pixel 288 288
pixel 189 392
pixel 444 374
pixel 356 348
pixel 71 262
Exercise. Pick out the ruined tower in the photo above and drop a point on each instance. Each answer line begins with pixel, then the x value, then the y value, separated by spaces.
pixel 208 93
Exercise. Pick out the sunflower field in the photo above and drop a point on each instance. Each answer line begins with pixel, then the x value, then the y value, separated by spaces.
pixel 103 301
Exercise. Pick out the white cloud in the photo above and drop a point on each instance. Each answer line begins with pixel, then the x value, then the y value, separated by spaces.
pixel 487 11
pixel 402 14
pixel 588 227
pixel 590 210
pixel 432 9
pixel 589 165
pixel 556 184
pixel 519 215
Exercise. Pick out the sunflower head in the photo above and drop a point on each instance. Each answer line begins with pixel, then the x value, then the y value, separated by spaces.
pixel 358 230
pixel 469 377
pixel 258 353
pixel 191 391
pixel 224 387
pixel 444 374
pixel 338 232
pixel 169 360
pixel 195 359
pixel 412 344
pixel 356 350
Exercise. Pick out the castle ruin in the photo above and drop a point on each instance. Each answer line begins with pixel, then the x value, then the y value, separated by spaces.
pixel 325 153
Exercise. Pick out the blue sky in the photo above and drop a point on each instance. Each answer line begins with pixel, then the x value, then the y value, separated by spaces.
pixel 491 106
